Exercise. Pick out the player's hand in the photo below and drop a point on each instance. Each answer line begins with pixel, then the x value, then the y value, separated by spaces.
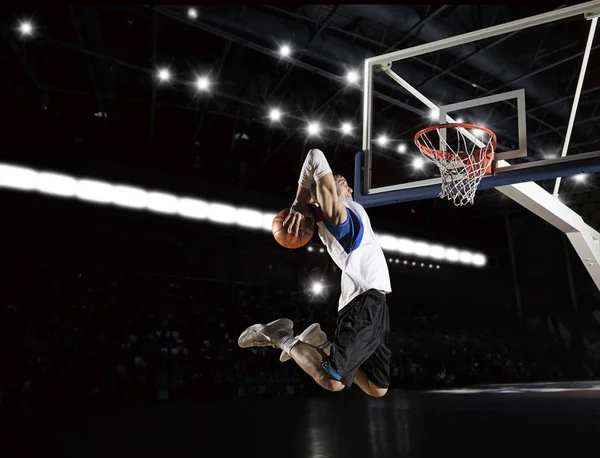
pixel 296 219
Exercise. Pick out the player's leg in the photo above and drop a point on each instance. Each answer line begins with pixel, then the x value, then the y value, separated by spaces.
pixel 279 334
pixel 361 328
pixel 374 374
pixel 314 336
pixel 311 359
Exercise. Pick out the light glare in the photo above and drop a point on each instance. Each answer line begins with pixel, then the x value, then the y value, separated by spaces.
pixel 94 191
pixel 26 28
pixel 18 177
pixel 317 287
pixel 267 221
pixel 221 213
pixel 164 74
pixel 452 254
pixel 161 202
pixel 192 208
pixel 418 162
pixel 479 260
pixel 130 197
pixel 346 128
pixel 192 13
pixel 352 76
pixel 465 257
pixel 382 140
pixel 56 184
pixel 133 197
pixel 438 252
pixel 402 148
pixel 285 51
pixel 249 218
pixel 406 246
pixel 203 83
pixel 314 128
pixel 275 114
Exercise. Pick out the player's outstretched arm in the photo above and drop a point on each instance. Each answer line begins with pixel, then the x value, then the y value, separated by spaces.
pixel 315 172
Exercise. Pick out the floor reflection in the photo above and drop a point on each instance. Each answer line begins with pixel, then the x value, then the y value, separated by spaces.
pixel 547 420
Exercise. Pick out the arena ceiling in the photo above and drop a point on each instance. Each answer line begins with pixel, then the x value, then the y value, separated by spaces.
pixel 83 85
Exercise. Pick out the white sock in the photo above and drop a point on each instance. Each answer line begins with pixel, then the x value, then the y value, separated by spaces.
pixel 287 342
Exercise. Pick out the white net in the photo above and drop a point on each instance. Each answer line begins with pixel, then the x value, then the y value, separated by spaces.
pixel 462 167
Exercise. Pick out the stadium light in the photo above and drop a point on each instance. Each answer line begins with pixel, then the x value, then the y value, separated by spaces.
pixel 285 51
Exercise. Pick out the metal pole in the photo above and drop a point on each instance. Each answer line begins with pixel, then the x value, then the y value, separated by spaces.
pixel 482 34
pixel 572 292
pixel 513 265
pixel 367 123
pixel 586 57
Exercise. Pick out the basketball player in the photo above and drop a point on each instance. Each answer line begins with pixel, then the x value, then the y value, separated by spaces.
pixel 359 352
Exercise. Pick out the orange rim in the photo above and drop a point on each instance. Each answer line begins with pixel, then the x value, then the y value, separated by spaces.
pixel 438 154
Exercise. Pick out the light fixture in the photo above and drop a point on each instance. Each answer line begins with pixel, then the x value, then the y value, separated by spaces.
pixel 26 28
pixel 314 128
pixel 275 114
pixel 434 114
pixel 285 50
pixel 418 162
pixel 402 148
pixel 192 13
pixel 352 76
pixel 202 83
pixel 479 260
pixel 164 74
pixel 382 140
pixel 580 178
pixel 346 128
pixel 317 287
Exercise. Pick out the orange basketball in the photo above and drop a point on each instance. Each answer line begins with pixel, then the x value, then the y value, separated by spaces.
pixel 290 240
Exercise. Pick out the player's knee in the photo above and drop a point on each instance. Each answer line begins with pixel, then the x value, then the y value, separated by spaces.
pixel 332 385
pixel 377 392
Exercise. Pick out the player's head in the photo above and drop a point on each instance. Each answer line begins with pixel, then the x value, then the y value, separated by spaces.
pixel 341 185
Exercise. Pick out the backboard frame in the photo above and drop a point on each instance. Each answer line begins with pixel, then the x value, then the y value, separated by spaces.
pixel 518 94
pixel 518 185
pixel 383 63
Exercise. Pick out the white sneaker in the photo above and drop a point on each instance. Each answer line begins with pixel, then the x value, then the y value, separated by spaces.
pixel 266 335
pixel 313 335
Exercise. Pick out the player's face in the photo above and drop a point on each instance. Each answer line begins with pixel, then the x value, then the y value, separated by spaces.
pixel 343 190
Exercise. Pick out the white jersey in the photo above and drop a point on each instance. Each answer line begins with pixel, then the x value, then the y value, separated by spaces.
pixel 355 250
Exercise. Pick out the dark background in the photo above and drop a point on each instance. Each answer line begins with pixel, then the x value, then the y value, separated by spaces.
pixel 81 97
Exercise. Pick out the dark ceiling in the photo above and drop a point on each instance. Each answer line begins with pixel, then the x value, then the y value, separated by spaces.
pixel 83 87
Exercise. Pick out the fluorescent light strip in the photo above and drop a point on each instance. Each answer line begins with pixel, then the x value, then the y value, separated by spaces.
pixel 132 197
pixel 420 249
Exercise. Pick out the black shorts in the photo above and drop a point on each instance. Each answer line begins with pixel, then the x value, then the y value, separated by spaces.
pixel 362 341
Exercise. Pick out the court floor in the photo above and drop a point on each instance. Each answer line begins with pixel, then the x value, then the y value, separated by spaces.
pixel 558 419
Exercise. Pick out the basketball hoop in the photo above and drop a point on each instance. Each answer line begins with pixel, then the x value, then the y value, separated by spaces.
pixel 463 167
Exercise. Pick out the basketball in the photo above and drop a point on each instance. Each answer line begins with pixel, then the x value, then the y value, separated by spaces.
pixel 287 240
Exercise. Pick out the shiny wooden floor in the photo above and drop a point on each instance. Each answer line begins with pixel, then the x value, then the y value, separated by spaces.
pixel 537 420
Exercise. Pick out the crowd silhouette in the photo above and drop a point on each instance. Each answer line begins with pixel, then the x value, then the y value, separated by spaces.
pixel 116 337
